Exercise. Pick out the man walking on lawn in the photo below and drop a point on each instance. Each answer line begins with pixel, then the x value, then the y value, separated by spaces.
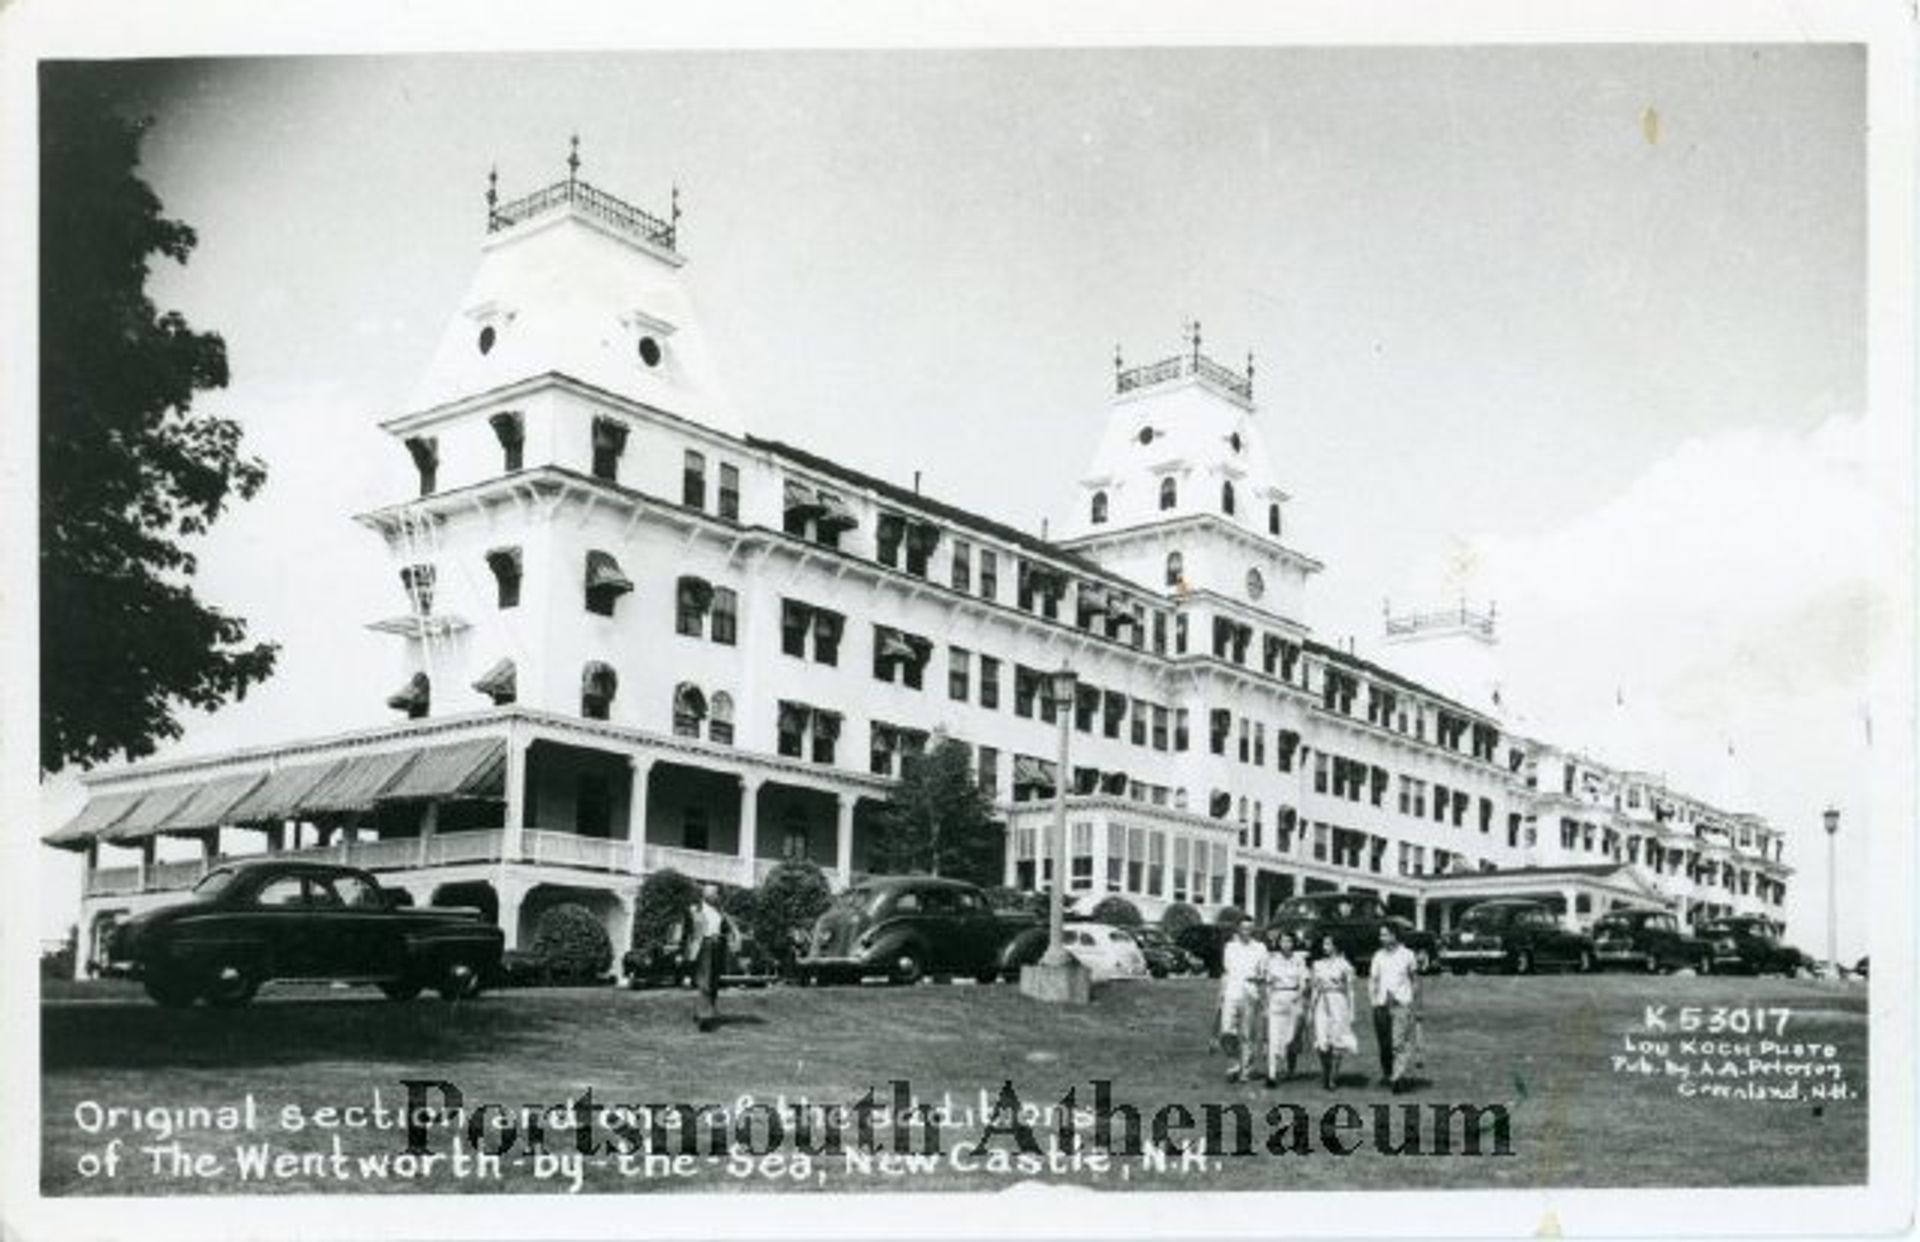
pixel 706 938
pixel 1394 982
pixel 1242 960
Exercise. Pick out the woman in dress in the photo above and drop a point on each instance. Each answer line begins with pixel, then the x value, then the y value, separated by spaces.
pixel 1332 983
pixel 1285 976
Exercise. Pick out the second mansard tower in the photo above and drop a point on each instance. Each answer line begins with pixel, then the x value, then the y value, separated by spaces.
pixel 1181 494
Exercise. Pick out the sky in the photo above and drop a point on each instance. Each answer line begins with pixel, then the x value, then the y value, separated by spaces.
pixel 1577 329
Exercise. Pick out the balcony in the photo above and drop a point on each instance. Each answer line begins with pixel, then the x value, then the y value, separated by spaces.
pixel 589 201
pixel 1224 379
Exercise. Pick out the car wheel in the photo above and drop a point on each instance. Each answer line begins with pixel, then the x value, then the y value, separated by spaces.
pixel 400 991
pixel 459 982
pixel 1523 962
pixel 232 985
pixel 1652 964
pixel 987 974
pixel 907 966
pixel 170 991
pixel 1423 961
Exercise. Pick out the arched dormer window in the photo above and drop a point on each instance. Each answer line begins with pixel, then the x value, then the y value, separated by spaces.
pixel 1099 509
pixel 1273 519
pixel 1169 493
pixel 1226 497
pixel 689 710
pixel 1176 568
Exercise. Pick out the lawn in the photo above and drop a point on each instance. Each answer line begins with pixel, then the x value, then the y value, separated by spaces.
pixel 1542 1047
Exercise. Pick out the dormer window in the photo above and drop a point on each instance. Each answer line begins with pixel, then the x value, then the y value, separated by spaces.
pixel 650 351
pixel 487 338
pixel 609 444
pixel 1098 516
pixel 1145 435
pixel 1226 497
pixel 415 698
pixel 598 684
pixel 505 564
pixel 511 431
pixel 1273 519
pixel 1169 493
pixel 418 581
pixel 605 583
pixel 425 451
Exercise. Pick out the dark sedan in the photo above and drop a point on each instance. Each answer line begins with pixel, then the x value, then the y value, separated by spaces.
pixel 909 927
pixel 1354 921
pixel 252 923
pixel 1515 936
pixel 1750 945
pixel 1648 940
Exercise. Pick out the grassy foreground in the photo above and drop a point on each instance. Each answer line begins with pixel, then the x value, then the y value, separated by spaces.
pixel 1541 1047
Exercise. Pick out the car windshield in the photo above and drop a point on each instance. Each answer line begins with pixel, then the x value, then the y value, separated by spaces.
pixel 1615 922
pixel 213 884
pixel 1487 916
pixel 1298 908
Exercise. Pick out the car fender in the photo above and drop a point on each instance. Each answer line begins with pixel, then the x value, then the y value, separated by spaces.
pixel 206 950
pixel 1019 945
pixel 890 941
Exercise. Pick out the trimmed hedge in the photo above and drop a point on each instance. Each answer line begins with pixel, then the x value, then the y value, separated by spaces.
pixel 1117 911
pixel 572 945
pixel 1179 917
pixel 784 908
pixel 663 901
pixel 1231 916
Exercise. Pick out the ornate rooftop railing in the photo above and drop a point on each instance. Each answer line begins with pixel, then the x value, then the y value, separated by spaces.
pixel 1191 363
pixel 592 201
pixel 1446 618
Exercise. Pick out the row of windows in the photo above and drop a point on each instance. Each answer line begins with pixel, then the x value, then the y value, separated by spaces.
pixel 1137 861
pixel 1097 507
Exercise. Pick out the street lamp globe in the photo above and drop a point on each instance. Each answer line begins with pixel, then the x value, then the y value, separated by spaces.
pixel 1832 818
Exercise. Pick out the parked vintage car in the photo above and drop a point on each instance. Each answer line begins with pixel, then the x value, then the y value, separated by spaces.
pixel 663 967
pixel 908 927
pixel 1205 942
pixel 1164 957
pixel 1514 935
pixel 1647 940
pixel 1354 922
pixel 1107 952
pixel 1750 945
pixel 249 924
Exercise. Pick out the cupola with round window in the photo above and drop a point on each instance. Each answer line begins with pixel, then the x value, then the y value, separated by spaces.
pixel 650 352
pixel 488 336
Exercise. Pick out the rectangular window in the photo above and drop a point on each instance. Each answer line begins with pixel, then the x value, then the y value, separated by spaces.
pixel 790 730
pixel 1180 738
pixel 1026 684
pixel 1116 857
pixel 690 608
pixel 425 451
pixel 1159 737
pixel 693 481
pixel 1156 863
pixel 730 492
pixel 1114 711
pixel 1138 732
pixel 1320 771
pixel 1260 745
pixel 795 618
pixel 988 771
pixel 989 575
pixel 1246 746
pixel 962 569
pixel 826 731
pixel 1180 634
pixel 958 670
pixel 1136 860
pixel 1182 860
pixel 726 616
pixel 890 530
pixel 1320 836
pixel 989 682
pixel 1218 874
pixel 1220 722
pixel 827 628
pixel 1082 854
pixel 505 564
pixel 881 743
pixel 609 444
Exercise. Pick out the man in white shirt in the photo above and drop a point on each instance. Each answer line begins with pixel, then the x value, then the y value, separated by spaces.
pixel 1393 982
pixel 707 935
pixel 1242 960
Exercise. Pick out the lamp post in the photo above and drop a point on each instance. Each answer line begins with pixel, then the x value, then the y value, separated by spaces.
pixel 1832 819
pixel 1058 977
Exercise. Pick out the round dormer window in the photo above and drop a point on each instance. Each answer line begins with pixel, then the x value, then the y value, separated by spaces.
pixel 1145 436
pixel 1234 442
pixel 649 351
pixel 487 337
pixel 1256 584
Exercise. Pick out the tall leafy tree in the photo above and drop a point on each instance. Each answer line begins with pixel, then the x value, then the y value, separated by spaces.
pixel 939 820
pixel 128 472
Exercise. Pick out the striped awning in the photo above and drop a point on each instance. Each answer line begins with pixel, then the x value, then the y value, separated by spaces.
pixel 101 812
pixel 278 797
pixel 1030 771
pixel 604 574
pixel 356 783
pixel 499 682
pixel 474 769
pixel 802 500
pixel 153 814
pixel 414 696
pixel 834 513
pixel 212 803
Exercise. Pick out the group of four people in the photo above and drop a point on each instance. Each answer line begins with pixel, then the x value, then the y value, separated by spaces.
pixel 1310 1001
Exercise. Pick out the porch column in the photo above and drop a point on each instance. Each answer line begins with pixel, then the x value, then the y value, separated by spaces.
pixel 276 836
pixel 1446 918
pixel 209 849
pixel 516 817
pixel 147 845
pixel 1008 863
pixel 641 769
pixel 749 823
pixel 1420 911
pixel 512 895
pixel 429 823
pixel 843 838
pixel 1572 917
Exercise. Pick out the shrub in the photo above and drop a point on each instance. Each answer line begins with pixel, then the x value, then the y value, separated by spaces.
pixel 1178 918
pixel 1016 900
pixel 571 944
pixel 1231 916
pixel 787 902
pixel 662 904
pixel 1118 911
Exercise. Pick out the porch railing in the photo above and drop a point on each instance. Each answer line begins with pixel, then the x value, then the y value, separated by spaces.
pixel 698 864
pixel 113 881
pixel 568 849
pixel 464 847
pixel 184 873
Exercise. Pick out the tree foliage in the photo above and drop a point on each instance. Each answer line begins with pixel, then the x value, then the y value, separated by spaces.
pixel 1231 916
pixel 1178 917
pixel 785 906
pixel 127 471
pixel 663 901
pixel 1118 912
pixel 938 820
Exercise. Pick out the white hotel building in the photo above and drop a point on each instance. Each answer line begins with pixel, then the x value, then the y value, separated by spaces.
pixel 634 636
